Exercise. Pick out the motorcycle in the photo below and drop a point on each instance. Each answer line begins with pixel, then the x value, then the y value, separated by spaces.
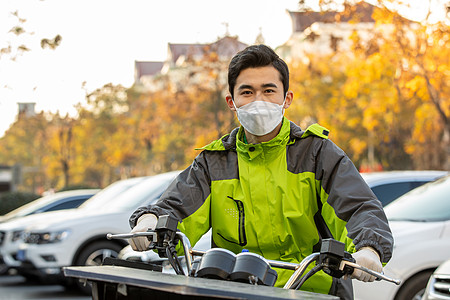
pixel 216 273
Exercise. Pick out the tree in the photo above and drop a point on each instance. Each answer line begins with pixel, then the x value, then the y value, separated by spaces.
pixel 187 111
pixel 423 73
pixel 387 98
pixel 25 143
pixel 104 145
pixel 61 144
pixel 17 47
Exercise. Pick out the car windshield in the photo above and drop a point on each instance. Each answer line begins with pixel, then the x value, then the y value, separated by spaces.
pixel 429 202
pixel 145 192
pixel 112 190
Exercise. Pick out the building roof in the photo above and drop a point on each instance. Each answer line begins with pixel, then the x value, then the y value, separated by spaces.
pixel 146 68
pixel 188 50
pixel 224 47
pixel 227 46
pixel 304 19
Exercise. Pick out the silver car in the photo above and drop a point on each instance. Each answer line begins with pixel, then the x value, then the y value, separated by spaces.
pixel 438 287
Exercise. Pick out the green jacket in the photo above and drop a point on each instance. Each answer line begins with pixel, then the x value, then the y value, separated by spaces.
pixel 270 198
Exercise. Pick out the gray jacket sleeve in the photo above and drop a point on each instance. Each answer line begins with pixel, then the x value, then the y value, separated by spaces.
pixel 353 201
pixel 183 196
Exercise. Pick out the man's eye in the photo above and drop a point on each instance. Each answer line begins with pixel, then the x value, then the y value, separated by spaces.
pixel 269 91
pixel 246 93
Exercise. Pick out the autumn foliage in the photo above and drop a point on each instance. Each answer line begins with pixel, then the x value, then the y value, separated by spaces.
pixel 386 103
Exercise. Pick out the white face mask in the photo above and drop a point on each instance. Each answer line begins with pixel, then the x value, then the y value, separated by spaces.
pixel 260 117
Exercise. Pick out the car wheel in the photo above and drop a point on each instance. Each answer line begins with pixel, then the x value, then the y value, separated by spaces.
pixel 414 288
pixel 93 255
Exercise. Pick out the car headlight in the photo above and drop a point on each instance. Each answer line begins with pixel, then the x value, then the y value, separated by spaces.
pixel 46 237
pixel 16 235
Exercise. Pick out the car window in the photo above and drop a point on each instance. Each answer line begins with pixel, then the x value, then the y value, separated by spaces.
pixel 418 183
pixel 391 191
pixel 32 206
pixel 39 205
pixel 429 202
pixel 74 203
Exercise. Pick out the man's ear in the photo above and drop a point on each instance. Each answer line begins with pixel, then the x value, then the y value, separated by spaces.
pixel 289 98
pixel 229 100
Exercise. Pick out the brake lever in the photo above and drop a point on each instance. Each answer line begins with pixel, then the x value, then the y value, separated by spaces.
pixel 379 276
pixel 152 236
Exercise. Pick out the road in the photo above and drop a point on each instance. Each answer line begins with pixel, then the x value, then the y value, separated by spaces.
pixel 15 287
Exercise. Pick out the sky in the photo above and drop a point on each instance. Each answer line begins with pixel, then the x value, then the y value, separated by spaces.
pixel 101 40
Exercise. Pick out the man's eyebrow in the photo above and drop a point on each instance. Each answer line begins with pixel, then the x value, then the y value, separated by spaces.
pixel 250 87
pixel 245 87
pixel 266 85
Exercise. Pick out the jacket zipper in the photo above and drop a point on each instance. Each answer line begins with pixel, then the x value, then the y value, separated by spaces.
pixel 242 236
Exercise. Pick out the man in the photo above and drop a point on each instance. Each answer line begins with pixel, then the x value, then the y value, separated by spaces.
pixel 272 188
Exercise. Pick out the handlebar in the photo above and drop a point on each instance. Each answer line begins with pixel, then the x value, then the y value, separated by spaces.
pixel 186 243
pixel 346 266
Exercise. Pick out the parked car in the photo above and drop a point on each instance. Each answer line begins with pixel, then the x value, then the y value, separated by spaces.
pixel 420 223
pixel 80 238
pixel 52 202
pixel 438 287
pixel 389 185
pixel 11 231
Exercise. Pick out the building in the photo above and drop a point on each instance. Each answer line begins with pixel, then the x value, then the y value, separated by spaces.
pixel 327 32
pixel 10 177
pixel 27 109
pixel 225 48
pixel 183 64
pixel 5 178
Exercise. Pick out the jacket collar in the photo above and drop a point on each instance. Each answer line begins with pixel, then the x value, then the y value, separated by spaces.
pixel 228 142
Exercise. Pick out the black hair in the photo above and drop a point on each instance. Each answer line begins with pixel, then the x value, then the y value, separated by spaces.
pixel 253 57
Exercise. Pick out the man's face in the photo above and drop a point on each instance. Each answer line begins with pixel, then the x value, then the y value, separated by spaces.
pixel 258 84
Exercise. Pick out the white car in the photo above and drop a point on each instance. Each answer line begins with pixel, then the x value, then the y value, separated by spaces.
pixel 14 222
pixel 438 287
pixel 80 238
pixel 420 223
pixel 11 232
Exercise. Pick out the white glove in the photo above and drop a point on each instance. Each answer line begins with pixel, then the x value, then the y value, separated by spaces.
pixel 369 258
pixel 144 223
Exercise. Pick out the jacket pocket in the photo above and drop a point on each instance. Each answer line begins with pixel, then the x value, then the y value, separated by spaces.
pixel 241 224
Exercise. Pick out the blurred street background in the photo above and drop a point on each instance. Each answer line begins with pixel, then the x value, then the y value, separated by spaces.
pixel 94 93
